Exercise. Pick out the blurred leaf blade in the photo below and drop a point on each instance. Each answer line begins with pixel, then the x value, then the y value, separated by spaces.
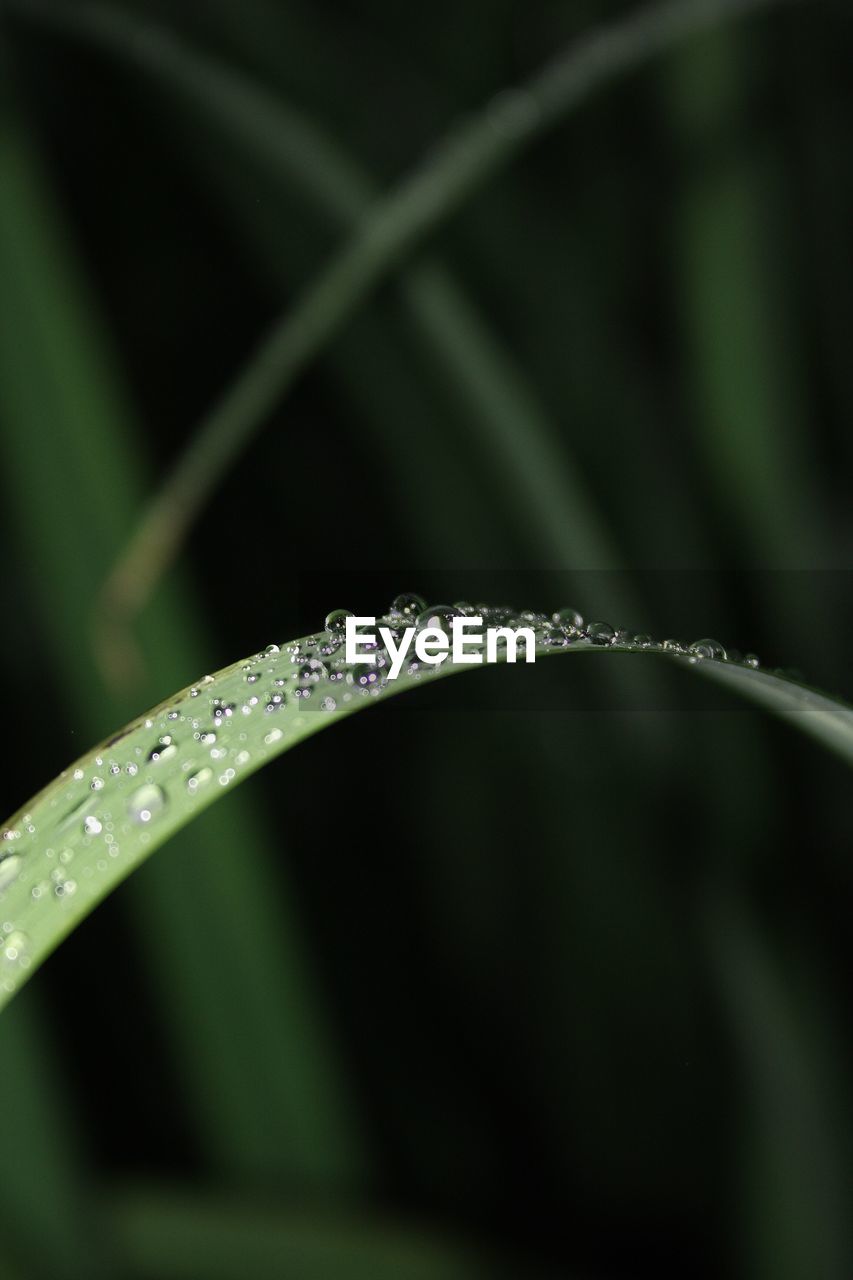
pixel 466 158
pixel 72 477
pixel 795 1217
pixel 172 1233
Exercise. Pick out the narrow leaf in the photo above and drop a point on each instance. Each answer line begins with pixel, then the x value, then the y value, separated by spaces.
pixel 86 831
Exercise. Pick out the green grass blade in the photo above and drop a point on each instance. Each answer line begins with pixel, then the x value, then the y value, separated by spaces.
pixel 750 404
pixel 467 158
pixel 793 1183
pixel 85 832
pixel 44 1188
pixel 511 425
pixel 47 1215
pixel 58 405
pixel 746 378
pixel 826 719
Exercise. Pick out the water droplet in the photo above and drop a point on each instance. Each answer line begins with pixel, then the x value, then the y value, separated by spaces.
pixel 600 633
pixel 751 660
pixel 408 606
pixel 336 621
pixel 673 646
pixel 366 678
pixel 146 803
pixel 198 779
pixel 708 649
pixel 568 617
pixel 15 947
pixel 63 887
pixel 9 868
pixel 165 748
pixel 92 826
pixel 555 637
pixel 439 616
pixel 312 671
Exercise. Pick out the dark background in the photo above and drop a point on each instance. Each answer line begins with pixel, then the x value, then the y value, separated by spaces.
pixel 543 973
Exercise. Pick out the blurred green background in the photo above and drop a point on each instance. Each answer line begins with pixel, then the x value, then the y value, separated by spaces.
pixel 544 975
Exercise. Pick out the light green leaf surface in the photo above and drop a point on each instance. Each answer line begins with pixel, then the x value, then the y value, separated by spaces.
pixel 86 831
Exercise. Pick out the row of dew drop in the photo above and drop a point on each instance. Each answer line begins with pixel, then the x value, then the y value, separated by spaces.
pixel 96 806
pixel 557 630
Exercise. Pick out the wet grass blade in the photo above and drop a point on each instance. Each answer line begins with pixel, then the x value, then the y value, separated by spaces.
pixel 793 1169
pixel 85 832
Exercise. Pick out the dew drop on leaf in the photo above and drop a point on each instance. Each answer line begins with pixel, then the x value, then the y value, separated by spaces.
pixel 568 617
pixel 336 621
pixel 600 633
pixel 146 803
pixel 15 947
pixel 708 649
pixel 9 868
pixel 164 749
pixel 198 779
pixel 311 672
pixel 408 606
pixel 439 616
pixel 555 637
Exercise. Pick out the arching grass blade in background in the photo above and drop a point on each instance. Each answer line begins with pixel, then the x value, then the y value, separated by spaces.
pixel 86 832
pixel 462 163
